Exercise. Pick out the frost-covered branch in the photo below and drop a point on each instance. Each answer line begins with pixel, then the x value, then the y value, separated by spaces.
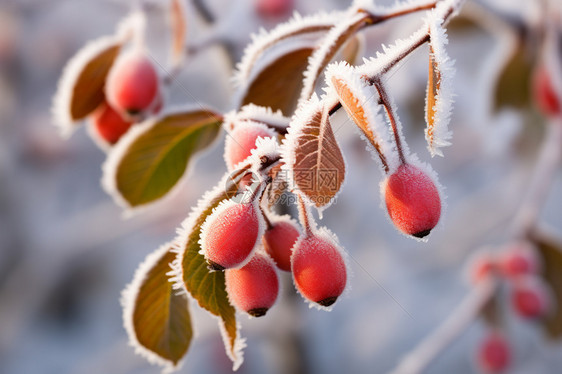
pixel 418 360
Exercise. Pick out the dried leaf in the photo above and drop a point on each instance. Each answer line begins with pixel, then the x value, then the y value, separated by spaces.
pixel 278 85
pixel 205 286
pixel 513 83
pixel 551 252
pixel 314 158
pixel 178 24
pixel 151 158
pixel 353 49
pixel 156 316
pixel 433 84
pixel 81 86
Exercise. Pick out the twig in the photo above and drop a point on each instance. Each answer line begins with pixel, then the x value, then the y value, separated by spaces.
pixel 419 359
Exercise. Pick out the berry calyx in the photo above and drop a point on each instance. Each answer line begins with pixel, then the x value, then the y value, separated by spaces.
pixel 530 298
pixel 254 287
pixel 241 141
pixel 132 83
pixel 318 267
pixel 109 124
pixel 494 353
pixel 544 94
pixel 229 234
pixel 412 200
pixel 279 240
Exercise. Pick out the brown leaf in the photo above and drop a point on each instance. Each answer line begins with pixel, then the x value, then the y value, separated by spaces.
pixel 156 316
pixel 352 50
pixel 550 250
pixel 178 23
pixel 87 91
pixel 513 84
pixel 278 85
pixel 433 84
pixel 318 168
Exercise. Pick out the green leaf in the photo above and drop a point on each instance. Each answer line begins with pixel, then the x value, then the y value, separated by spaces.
pixel 150 160
pixel 513 84
pixel 156 317
pixel 205 286
pixel 551 251
pixel 278 85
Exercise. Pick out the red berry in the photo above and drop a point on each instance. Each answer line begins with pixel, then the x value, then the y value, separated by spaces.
pixel 132 83
pixel 254 287
pixel 279 241
pixel 481 266
pixel 412 200
pixel 494 353
pixel 109 124
pixel 319 269
pixel 274 8
pixel 519 259
pixel 530 298
pixel 229 234
pixel 242 139
pixel 544 94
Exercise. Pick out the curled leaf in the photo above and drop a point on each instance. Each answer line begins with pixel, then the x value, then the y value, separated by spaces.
pixel 80 89
pixel 156 316
pixel 312 155
pixel 150 159
pixel 439 95
pixel 178 24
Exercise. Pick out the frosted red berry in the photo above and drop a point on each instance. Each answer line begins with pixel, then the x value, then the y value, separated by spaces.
pixel 530 298
pixel 132 83
pixel 519 259
pixel 319 269
pixel 241 140
pixel 254 287
pixel 482 266
pixel 279 240
pixel 274 8
pixel 494 353
pixel 109 124
pixel 544 94
pixel 412 200
pixel 229 235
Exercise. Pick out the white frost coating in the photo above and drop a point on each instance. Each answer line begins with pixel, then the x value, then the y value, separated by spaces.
pixel 265 147
pixel 128 298
pixel 444 98
pixel 399 6
pixel 236 355
pixel 62 100
pixel 382 61
pixel 221 208
pixel 133 26
pixel 367 97
pixel 109 167
pixel 327 235
pixel 316 60
pixel 264 39
pixel 263 114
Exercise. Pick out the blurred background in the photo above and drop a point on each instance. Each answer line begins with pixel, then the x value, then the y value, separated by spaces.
pixel 66 252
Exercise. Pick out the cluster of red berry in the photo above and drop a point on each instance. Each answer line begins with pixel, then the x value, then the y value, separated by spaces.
pixel 131 89
pixel 520 266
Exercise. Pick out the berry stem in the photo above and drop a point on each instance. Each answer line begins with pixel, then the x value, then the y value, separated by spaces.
pixel 391 117
pixel 550 156
pixel 421 357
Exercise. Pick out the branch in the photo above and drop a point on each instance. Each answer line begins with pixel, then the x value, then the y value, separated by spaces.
pixel 419 359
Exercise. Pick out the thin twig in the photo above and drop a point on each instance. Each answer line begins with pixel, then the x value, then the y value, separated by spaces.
pixel 418 360
pixel 304 215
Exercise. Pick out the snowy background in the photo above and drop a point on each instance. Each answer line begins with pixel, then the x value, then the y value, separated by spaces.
pixel 66 253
